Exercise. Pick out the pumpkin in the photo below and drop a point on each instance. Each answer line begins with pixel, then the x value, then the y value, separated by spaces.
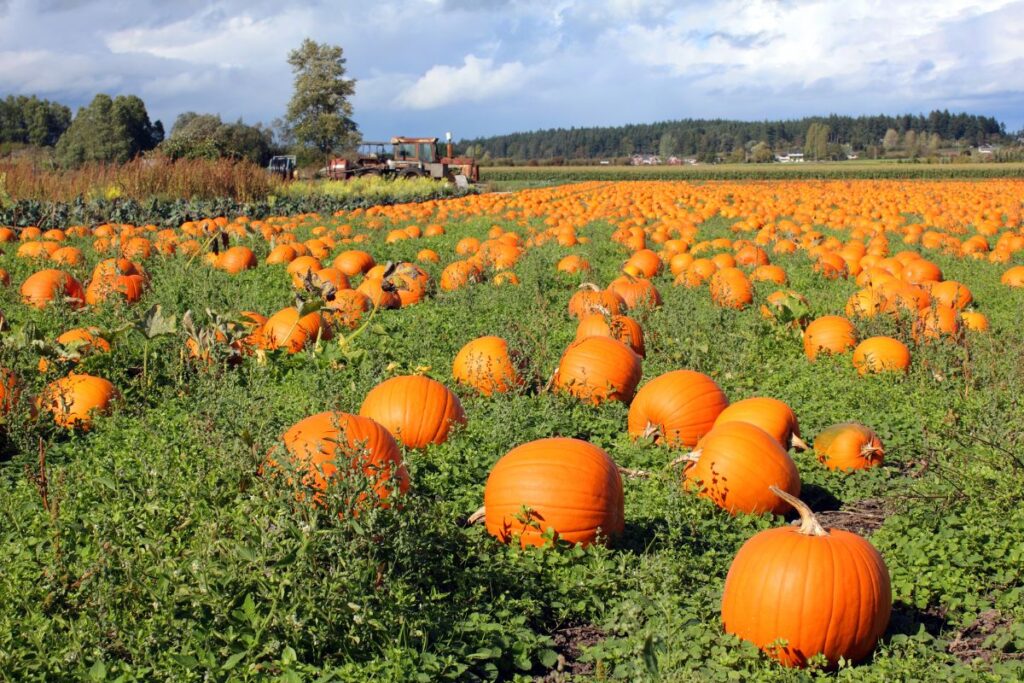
pixel 598 369
pixel 353 262
pixel 458 274
pixel 102 289
pixel 974 321
pixel 829 334
pixel 9 391
pixel 1014 277
pixel 381 293
pixel 74 400
pixel 589 298
pixel 770 414
pixel 735 464
pixel 286 329
pixel 282 253
pixel 566 485
pixel 678 408
pixel 881 354
pixel 821 592
pixel 849 446
pixel 44 286
pixel 573 264
pixel 485 365
pixel 314 444
pixel 236 259
pixel 731 288
pixel 951 293
pixel 416 410
pixel 636 291
pixel 620 327
pixel 936 322
pixel 646 261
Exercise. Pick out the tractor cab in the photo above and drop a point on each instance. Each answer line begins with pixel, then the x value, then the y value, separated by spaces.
pixel 422 150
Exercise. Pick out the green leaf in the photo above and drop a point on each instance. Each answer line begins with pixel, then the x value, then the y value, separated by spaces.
pixel 232 661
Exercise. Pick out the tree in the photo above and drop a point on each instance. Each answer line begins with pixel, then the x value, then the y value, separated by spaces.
pixel 761 153
pixel 667 145
pixel 891 140
pixel 816 143
pixel 131 113
pixel 910 143
pixel 205 136
pixel 31 121
pixel 98 133
pixel 319 115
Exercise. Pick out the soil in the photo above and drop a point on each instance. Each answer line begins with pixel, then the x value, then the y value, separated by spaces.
pixel 861 517
pixel 968 644
pixel 570 642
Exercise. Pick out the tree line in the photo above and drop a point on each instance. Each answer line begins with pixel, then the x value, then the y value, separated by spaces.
pixel 711 139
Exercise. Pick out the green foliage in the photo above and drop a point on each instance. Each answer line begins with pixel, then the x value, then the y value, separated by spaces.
pixel 31 121
pixel 107 130
pixel 205 136
pixel 163 547
pixel 319 115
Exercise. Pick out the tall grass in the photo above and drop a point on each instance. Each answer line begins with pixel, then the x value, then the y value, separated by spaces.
pixel 141 179
pixel 373 189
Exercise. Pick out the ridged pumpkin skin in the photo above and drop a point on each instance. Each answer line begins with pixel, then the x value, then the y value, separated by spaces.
pixel 485 365
pixel 75 399
pixel 829 334
pixel 823 594
pixel 636 291
pixel 44 286
pixel 849 446
pixel 416 410
pixel 590 299
pixel 681 405
pixel 881 354
pixel 619 327
pixel 770 414
pixel 730 288
pixel 599 369
pixel 736 464
pixel 236 259
pixel 569 485
pixel 314 442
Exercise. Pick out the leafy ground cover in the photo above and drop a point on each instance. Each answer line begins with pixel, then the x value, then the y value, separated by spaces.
pixel 156 545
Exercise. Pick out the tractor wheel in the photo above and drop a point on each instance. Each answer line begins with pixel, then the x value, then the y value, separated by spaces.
pixel 411 173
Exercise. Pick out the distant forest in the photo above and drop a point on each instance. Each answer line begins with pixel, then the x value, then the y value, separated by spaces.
pixel 707 139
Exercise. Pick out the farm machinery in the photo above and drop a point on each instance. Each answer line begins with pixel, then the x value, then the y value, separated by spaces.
pixel 406 157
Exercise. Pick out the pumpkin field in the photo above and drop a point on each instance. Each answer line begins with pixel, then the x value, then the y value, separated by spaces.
pixel 607 430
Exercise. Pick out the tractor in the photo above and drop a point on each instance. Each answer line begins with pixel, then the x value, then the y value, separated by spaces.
pixel 406 157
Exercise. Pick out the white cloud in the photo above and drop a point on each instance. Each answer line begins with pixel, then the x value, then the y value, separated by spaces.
pixel 45 72
pixel 478 79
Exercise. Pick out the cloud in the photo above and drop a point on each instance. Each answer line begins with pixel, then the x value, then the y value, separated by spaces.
pixel 477 80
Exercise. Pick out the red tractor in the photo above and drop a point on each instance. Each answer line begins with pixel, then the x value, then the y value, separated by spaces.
pixel 406 158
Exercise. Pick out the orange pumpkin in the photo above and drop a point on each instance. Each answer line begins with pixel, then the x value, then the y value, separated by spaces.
pixel 636 291
pixel 485 365
pixel 731 288
pixel 44 286
pixel 591 299
pixel 598 369
pixel 974 321
pixel 770 414
pixel 735 463
pixel 416 410
pixel 881 354
pixel 568 486
pixel 315 443
pixel 74 400
pixel 816 591
pixel 353 262
pixel 285 329
pixel 620 327
pixel 829 334
pixel 849 446
pixel 678 408
pixel 236 259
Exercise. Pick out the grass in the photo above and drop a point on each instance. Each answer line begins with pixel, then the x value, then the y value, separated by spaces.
pixel 155 550
pixel 372 189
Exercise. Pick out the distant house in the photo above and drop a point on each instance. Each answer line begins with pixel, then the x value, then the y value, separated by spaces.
pixel 605 162
pixel 791 158
pixel 674 161
pixel 645 160
pixel 986 150
pixel 690 161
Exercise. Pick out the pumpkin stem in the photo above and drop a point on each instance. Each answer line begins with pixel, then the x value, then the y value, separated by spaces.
pixel 651 431
pixel 603 310
pixel 870 452
pixel 631 473
pixel 809 525
pixel 798 443
pixel 477 516
pixel 589 285
pixel 692 456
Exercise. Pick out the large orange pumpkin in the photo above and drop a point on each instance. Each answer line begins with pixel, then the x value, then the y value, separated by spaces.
pixel 770 414
pixel 731 288
pixel 591 299
pixel 485 365
pixel 636 291
pixel 678 408
pixel 849 446
pixel 417 410
pixel 620 327
pixel 569 486
pixel 236 259
pixel 735 463
pixel 599 369
pixel 881 354
pixel 74 400
pixel 44 286
pixel 821 592
pixel 285 329
pixel 829 334
pixel 316 441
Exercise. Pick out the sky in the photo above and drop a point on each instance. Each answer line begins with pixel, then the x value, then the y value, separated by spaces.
pixel 483 67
